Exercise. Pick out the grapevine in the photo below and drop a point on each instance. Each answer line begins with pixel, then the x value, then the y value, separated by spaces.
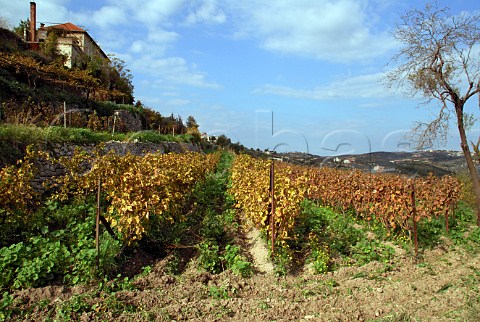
pixel 18 197
pixel 250 188
pixel 387 198
pixel 137 186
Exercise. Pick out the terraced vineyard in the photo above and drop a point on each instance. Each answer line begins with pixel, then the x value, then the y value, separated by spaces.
pixel 186 239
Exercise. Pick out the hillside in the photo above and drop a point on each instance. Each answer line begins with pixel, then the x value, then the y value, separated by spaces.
pixel 419 163
pixel 36 89
pixel 209 264
pixel 41 75
pixel 121 230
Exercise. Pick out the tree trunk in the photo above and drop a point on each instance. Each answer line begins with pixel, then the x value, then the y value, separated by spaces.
pixel 468 157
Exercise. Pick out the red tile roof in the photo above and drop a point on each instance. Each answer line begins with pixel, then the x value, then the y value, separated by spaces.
pixel 67 26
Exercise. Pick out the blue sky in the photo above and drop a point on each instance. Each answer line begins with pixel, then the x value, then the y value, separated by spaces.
pixel 301 75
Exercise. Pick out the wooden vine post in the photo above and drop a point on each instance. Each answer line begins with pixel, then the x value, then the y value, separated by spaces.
pixel 449 206
pixel 97 224
pixel 65 114
pixel 414 218
pixel 272 205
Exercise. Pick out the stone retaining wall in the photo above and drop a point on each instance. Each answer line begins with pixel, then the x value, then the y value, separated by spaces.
pixel 49 170
pixel 127 121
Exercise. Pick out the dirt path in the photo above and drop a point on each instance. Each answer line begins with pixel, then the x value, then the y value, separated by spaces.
pixel 259 252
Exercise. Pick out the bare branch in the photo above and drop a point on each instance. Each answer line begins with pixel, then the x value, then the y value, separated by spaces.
pixel 438 60
pixel 428 135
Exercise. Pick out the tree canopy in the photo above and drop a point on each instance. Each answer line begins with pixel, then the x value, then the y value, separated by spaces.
pixel 439 59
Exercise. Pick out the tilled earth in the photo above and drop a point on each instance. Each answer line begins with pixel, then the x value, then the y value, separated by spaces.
pixel 443 285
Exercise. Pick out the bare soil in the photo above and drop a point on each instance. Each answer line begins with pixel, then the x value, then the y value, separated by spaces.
pixel 443 285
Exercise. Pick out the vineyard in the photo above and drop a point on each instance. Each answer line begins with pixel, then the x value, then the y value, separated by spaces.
pixel 128 189
pixel 397 202
pixel 110 215
pixel 136 187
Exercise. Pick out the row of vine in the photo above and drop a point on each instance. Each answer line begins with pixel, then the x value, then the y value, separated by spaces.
pixel 134 187
pixel 387 198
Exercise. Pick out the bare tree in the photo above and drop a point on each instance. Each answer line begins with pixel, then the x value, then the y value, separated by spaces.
pixel 4 23
pixel 439 59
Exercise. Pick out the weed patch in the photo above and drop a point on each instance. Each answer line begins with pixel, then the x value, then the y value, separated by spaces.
pixel 67 253
pixel 330 239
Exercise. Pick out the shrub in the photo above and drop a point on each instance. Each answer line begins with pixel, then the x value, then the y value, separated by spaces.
pixel 236 262
pixel 209 256
pixel 67 253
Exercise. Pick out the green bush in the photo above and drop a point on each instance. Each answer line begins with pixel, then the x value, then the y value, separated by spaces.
pixel 236 262
pixel 429 231
pixel 326 226
pixel 320 259
pixel 154 137
pixel 282 259
pixel 5 309
pixel 74 306
pixel 209 256
pixel 366 251
pixel 78 135
pixel 27 134
pixel 107 108
pixel 326 235
pixel 68 252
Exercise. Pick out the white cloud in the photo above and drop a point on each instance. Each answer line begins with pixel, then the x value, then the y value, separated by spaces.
pixel 363 86
pixel 14 12
pixel 136 13
pixel 53 11
pixel 329 30
pixel 207 12
pixel 162 36
pixel 340 31
pixel 47 11
pixel 149 12
pixel 148 37
pixel 109 16
pixel 157 41
pixel 174 70
pixel 178 102
pixel 138 46
pixel 165 103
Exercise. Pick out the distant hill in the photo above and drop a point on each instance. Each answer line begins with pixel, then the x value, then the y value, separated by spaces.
pixel 419 163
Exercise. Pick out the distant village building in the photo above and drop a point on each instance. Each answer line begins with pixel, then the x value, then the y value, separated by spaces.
pixel 378 168
pixel 209 138
pixel 73 41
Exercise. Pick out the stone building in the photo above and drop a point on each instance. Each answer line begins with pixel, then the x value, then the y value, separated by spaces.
pixel 73 41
